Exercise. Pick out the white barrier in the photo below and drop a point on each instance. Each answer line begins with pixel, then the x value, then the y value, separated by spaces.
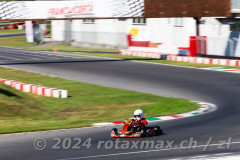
pixel 36 89
pixel 143 54
pixel 26 88
pixel 227 62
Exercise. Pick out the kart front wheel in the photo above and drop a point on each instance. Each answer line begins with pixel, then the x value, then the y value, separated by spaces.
pixel 114 130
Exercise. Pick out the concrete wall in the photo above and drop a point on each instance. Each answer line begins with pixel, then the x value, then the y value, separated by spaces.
pixel 112 33
pixel 100 34
pixel 58 30
pixel 224 46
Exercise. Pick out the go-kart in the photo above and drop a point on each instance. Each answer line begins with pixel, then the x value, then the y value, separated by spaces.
pixel 131 128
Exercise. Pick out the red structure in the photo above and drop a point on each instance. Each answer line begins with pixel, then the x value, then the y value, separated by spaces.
pixel 198 45
pixel 12 26
pixel 129 39
pixel 137 43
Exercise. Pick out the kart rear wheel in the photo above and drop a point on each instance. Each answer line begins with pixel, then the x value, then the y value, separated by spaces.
pixel 158 130
pixel 114 130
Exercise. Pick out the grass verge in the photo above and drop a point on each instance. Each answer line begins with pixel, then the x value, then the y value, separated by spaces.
pixel 86 104
pixel 15 42
pixel 11 31
pixel 67 47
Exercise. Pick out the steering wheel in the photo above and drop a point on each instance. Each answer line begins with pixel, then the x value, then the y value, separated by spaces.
pixel 136 121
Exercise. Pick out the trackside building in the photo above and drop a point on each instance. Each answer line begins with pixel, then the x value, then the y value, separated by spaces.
pixel 166 34
pixel 142 25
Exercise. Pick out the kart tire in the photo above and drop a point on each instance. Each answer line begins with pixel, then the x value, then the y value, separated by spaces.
pixel 114 130
pixel 143 133
pixel 158 130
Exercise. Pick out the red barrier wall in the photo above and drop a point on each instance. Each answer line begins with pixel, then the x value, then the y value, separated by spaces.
pixel 198 45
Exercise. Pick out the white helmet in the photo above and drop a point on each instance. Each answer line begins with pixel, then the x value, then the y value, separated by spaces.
pixel 138 114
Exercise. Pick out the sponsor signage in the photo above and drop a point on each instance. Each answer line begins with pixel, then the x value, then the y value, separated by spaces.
pixel 86 9
pixel 90 9
pixel 71 9
pixel 29 31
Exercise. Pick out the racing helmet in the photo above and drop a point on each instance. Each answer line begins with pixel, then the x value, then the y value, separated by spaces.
pixel 138 114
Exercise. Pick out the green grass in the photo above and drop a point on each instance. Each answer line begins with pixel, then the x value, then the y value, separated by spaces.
pixel 5 23
pixel 67 47
pixel 49 27
pixel 15 42
pixel 11 31
pixel 86 104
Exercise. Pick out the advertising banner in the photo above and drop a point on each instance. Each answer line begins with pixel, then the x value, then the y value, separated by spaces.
pixel 71 9
pixel 29 31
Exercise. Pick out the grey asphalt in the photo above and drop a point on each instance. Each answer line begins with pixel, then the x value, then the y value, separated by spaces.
pixel 12 35
pixel 219 88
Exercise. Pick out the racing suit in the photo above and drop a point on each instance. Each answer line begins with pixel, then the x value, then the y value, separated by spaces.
pixel 139 124
pixel 143 123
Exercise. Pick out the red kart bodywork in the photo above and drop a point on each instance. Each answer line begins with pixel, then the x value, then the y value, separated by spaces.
pixel 126 135
pixel 125 131
pixel 128 132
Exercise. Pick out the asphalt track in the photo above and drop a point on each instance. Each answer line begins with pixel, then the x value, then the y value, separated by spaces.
pixel 220 88
pixel 12 35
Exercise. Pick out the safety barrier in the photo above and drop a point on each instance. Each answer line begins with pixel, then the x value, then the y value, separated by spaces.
pixel 143 54
pixel 227 62
pixel 36 89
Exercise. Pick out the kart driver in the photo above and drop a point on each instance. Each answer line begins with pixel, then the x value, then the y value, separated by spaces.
pixel 139 124
pixel 139 120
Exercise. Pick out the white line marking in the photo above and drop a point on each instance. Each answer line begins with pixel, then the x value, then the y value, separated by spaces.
pixel 221 154
pixel 126 153
pixel 210 156
pixel 201 156
pixel 45 55
pixel 10 58
pixel 29 55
